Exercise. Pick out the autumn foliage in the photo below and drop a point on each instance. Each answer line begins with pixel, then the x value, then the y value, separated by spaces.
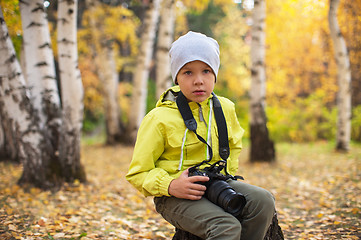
pixel 301 70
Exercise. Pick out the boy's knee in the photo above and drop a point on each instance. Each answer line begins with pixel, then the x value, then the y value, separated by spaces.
pixel 266 197
pixel 227 227
pixel 263 201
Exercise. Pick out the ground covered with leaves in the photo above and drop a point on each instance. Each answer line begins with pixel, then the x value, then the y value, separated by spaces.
pixel 318 193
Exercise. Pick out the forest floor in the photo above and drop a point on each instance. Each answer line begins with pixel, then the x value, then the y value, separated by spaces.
pixel 317 190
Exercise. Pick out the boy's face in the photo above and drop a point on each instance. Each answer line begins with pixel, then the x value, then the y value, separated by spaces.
pixel 196 80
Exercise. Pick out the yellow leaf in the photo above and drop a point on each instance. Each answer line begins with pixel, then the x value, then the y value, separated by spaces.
pixel 64 219
pixel 103 197
pixel 9 211
pixel 34 190
pixel 7 190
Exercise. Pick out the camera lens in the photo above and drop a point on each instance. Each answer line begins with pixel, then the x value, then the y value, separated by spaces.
pixel 233 203
pixel 222 194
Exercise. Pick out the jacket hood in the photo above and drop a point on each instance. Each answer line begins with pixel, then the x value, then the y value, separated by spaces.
pixel 167 99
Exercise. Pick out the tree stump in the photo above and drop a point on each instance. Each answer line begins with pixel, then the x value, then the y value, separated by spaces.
pixel 274 232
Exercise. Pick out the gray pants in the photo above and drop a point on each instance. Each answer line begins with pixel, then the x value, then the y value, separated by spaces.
pixel 208 221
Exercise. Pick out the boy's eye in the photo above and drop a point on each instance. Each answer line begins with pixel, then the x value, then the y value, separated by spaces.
pixel 188 72
pixel 207 71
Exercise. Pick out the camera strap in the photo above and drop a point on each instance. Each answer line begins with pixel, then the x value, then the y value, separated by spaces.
pixel 222 129
pixel 191 124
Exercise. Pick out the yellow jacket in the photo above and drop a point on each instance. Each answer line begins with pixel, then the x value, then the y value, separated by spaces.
pixel 157 153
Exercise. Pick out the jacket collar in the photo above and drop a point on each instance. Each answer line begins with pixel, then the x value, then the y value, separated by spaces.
pixel 169 96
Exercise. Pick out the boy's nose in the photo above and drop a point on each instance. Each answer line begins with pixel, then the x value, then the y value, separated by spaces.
pixel 198 80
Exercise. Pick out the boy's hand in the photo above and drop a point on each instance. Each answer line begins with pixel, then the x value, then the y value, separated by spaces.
pixel 186 187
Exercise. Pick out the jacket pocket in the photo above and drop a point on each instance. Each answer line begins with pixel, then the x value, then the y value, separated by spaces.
pixel 175 138
pixel 194 150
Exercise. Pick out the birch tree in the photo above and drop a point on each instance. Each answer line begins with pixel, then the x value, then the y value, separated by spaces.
pixel 343 79
pixel 101 20
pixel 165 39
pixel 108 75
pixel 140 87
pixel 22 119
pixel 32 108
pixel 71 90
pixel 105 62
pixel 262 148
pixel 40 70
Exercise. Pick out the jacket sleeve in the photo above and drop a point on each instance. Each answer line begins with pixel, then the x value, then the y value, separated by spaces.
pixel 235 140
pixel 143 174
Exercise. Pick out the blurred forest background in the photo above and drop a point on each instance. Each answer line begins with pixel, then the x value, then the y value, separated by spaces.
pixel 86 102
pixel 300 65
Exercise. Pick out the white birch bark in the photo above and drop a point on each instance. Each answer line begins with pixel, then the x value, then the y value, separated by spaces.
pixel 165 39
pixel 140 88
pixel 16 110
pixel 262 148
pixel 258 83
pixel 40 70
pixel 108 75
pixel 71 88
pixel 343 135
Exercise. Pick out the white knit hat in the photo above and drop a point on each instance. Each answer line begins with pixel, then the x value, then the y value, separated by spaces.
pixel 191 47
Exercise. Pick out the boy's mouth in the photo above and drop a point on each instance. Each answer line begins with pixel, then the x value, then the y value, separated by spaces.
pixel 199 92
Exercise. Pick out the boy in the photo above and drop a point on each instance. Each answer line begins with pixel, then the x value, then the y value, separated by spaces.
pixel 165 150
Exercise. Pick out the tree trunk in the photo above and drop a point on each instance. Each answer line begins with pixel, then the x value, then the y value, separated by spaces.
pixel 22 119
pixel 262 148
pixel 140 87
pixel 165 38
pixel 41 81
pixel 40 69
pixel 72 92
pixel 4 152
pixel 344 81
pixel 2 141
pixel 104 56
pixel 109 79
pixel 7 139
pixel 274 232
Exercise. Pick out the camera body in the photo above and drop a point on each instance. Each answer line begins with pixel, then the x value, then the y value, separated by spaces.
pixel 218 190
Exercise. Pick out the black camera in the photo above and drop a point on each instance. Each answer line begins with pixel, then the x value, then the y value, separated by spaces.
pixel 218 190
